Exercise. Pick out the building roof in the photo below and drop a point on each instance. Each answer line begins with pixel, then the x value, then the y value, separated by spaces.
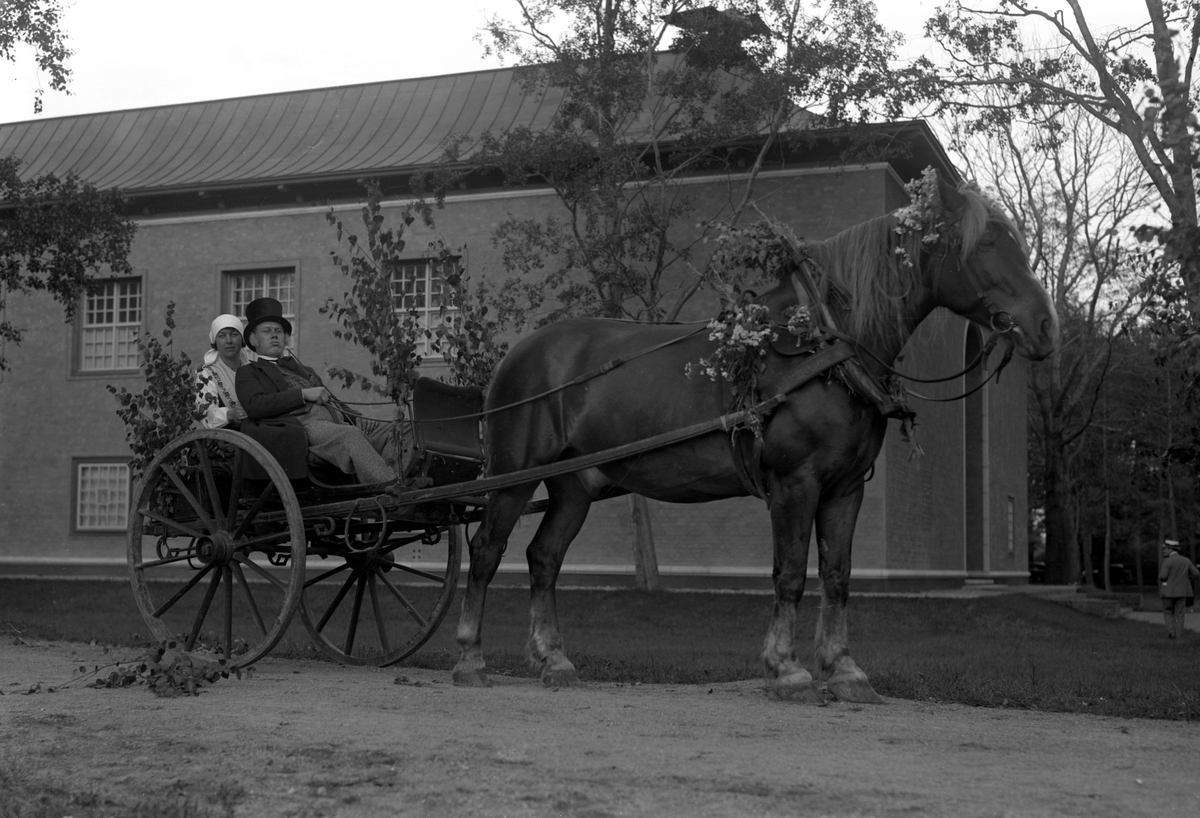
pixel 314 145
pixel 352 130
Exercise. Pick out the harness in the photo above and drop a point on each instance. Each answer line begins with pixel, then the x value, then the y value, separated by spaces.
pixel 747 446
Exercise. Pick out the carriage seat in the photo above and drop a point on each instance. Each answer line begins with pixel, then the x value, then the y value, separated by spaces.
pixel 445 422
pixel 445 438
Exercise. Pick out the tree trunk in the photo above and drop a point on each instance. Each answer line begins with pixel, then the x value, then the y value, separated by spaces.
pixel 645 561
pixel 1088 571
pixel 1107 576
pixel 1137 560
pixel 1062 553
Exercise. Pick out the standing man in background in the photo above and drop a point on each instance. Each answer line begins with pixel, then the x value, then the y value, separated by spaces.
pixel 1176 579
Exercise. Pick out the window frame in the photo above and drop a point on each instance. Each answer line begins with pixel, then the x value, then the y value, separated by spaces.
pixel 226 273
pixel 80 328
pixel 77 466
pixel 429 312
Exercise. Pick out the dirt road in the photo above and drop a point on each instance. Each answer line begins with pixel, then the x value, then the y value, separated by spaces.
pixel 313 739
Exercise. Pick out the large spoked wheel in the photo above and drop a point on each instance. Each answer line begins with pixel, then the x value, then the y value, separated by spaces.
pixel 217 557
pixel 378 605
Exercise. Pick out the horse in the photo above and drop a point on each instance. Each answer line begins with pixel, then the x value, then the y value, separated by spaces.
pixel 817 445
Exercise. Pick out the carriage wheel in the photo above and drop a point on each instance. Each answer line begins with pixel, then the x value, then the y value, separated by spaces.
pixel 216 561
pixel 379 605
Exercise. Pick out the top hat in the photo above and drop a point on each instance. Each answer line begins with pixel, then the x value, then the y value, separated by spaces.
pixel 265 309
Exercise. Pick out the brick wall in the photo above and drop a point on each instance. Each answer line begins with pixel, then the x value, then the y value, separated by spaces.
pixel 910 518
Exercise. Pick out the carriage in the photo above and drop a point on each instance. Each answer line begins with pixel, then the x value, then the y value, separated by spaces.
pixel 224 549
pixel 592 408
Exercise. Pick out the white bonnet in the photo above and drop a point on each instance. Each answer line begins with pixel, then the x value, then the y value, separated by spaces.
pixel 221 322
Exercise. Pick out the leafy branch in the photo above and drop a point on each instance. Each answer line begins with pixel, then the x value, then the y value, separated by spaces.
pixel 464 334
pixel 168 671
pixel 167 407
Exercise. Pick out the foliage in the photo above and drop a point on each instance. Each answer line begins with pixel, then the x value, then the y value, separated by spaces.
pixel 37 23
pixel 167 407
pixel 168 671
pixel 744 330
pixel 55 235
pixel 368 312
pixel 373 314
pixel 1077 198
pixel 633 121
pixel 1134 80
pixel 467 337
pixel 743 333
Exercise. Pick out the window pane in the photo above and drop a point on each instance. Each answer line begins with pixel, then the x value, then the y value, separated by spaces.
pixel 112 321
pixel 102 492
pixel 278 283
pixel 415 288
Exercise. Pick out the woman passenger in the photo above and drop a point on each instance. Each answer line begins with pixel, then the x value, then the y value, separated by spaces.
pixel 216 377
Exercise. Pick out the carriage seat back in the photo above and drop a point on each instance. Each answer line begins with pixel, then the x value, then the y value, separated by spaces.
pixel 445 422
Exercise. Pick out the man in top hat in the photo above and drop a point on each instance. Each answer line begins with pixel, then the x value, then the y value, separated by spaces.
pixel 278 386
pixel 1177 580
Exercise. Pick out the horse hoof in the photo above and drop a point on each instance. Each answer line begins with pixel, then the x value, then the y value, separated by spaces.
pixel 559 677
pixel 858 691
pixel 799 691
pixel 476 677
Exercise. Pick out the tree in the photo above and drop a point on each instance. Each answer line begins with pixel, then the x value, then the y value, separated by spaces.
pixel 37 23
pixel 1074 190
pixel 373 314
pixel 1137 81
pixel 651 94
pixel 56 235
pixel 166 408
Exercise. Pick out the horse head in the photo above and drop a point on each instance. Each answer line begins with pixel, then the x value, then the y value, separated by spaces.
pixel 979 267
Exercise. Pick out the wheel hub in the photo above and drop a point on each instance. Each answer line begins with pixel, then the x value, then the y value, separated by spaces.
pixel 371 559
pixel 217 549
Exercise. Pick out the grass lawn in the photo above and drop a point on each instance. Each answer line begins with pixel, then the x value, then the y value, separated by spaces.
pixel 1009 650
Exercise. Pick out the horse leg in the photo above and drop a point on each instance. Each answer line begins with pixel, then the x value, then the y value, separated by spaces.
pixel 568 507
pixel 836 517
pixel 486 549
pixel 792 507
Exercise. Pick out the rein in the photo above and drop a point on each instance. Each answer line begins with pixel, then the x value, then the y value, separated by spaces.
pixel 603 369
pixel 979 360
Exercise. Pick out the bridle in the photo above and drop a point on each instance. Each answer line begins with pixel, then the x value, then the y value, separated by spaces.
pixel 1000 321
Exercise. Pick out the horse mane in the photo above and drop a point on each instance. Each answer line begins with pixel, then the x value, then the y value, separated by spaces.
pixel 865 270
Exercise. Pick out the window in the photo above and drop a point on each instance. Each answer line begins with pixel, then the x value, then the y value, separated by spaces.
pixel 101 495
pixel 417 287
pixel 243 286
pixel 112 320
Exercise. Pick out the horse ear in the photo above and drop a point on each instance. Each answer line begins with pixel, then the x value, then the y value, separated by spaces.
pixel 952 200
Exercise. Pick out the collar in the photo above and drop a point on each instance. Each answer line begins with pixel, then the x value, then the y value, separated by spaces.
pixel 287 353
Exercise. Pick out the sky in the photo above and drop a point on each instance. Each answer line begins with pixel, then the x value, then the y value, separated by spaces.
pixel 140 53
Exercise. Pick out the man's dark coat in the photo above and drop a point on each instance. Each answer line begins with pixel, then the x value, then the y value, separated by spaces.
pixel 267 398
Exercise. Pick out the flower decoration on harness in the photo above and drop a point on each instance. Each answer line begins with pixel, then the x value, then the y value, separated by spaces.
pixel 924 216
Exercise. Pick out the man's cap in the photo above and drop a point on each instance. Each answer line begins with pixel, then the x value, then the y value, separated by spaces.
pixel 1170 543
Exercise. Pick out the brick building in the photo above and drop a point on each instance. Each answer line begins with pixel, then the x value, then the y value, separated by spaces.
pixel 231 199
